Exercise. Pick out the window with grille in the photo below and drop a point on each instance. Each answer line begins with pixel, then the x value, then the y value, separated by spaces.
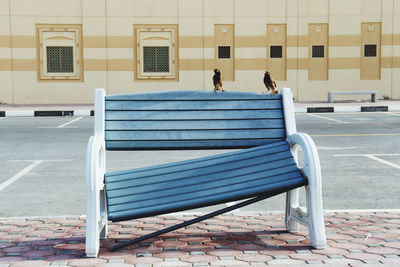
pixel 224 52
pixel 275 51
pixel 156 52
pixel 60 59
pixel 156 59
pixel 370 50
pixel 60 52
pixel 318 51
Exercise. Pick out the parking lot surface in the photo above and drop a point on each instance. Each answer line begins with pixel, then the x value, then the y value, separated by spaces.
pixel 42 162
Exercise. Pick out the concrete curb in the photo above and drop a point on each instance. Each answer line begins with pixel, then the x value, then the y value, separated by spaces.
pixel 350 108
pixel 45 113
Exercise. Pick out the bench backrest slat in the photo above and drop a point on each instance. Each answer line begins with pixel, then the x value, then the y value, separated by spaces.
pixel 192 120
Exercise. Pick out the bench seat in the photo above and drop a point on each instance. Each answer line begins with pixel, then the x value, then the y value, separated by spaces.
pixel 178 186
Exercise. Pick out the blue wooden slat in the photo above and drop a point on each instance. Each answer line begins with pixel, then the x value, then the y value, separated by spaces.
pixel 181 145
pixel 272 148
pixel 192 94
pixel 193 104
pixel 194 135
pixel 193 115
pixel 195 125
pixel 244 166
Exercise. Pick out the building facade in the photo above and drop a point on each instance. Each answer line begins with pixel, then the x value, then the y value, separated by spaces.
pixel 58 51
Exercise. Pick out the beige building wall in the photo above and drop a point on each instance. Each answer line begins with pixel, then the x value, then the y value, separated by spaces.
pixel 108 46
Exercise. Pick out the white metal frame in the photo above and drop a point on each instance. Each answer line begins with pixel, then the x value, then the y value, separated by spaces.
pixel 311 215
pixel 96 206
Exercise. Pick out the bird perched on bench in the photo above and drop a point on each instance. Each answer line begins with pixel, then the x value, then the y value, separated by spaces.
pixel 270 83
pixel 217 80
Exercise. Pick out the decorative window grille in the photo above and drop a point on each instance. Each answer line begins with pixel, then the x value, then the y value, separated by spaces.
pixel 224 52
pixel 156 59
pixel 370 50
pixel 318 51
pixel 275 51
pixel 60 59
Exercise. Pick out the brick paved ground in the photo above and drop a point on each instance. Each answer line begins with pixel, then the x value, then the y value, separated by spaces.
pixel 371 238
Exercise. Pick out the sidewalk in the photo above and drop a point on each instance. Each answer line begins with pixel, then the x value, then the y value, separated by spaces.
pixel 300 107
pixel 354 238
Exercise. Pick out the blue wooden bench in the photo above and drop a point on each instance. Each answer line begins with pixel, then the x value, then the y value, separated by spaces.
pixel 261 127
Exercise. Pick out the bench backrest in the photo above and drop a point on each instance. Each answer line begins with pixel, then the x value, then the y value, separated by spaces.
pixel 192 120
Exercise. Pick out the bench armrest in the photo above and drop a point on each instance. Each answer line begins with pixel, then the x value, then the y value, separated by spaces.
pixel 312 167
pixel 95 163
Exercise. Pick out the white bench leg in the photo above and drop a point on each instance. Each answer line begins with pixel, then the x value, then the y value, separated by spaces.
pixel 92 234
pixel 292 200
pixel 96 223
pixel 311 216
pixel 96 211
pixel 316 226
pixel 103 212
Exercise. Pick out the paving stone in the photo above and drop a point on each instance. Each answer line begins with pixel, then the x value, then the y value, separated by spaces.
pixel 136 260
pixel 224 252
pixel 363 256
pixel 310 256
pixel 86 262
pixel 59 263
pixel 79 246
pixel 254 258
pixel 391 262
pixel 289 262
pixel 342 262
pixel 6 244
pixel 190 248
pixel 9 259
pixel 393 256
pixel 383 250
pixel 199 258
pixel 314 262
pixel 247 247
pixel 29 263
pixel 348 245
pixel 17 249
pixel 176 264
pixel 115 265
pixel 171 254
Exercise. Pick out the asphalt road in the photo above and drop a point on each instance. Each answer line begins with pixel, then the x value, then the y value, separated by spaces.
pixel 42 162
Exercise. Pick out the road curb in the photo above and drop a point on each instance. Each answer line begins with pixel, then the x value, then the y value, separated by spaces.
pixel 338 109
pixel 46 113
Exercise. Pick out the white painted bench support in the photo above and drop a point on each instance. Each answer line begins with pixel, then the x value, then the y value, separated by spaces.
pixel 96 208
pixel 374 94
pixel 312 215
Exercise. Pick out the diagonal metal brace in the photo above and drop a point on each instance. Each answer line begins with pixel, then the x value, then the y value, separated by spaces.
pixel 195 220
